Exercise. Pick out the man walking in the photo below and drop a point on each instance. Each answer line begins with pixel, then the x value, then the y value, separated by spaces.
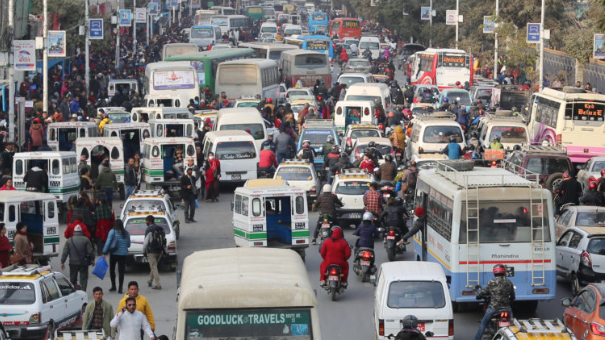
pixel 130 178
pixel 188 193
pixel 107 182
pixel 131 322
pixel 155 242
pixel 79 249
pixel 98 314
pixel 141 305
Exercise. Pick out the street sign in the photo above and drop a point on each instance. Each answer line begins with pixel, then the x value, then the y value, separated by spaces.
pixel 140 15
pixel 488 24
pixel 154 8
pixel 24 55
pixel 125 18
pixel 533 33
pixel 174 3
pixel 425 13
pixel 598 50
pixel 96 28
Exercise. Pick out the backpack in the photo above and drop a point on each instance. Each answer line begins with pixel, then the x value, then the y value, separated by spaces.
pixel 412 177
pixel 307 154
pixel 157 241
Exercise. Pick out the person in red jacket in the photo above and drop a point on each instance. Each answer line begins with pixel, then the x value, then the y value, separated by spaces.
pixel 69 231
pixel 267 160
pixel 335 250
pixel 344 57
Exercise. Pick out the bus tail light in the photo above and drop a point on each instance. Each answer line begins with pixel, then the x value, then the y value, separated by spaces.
pixel 597 329
pixel 469 292
pixel 381 327
pixel 540 291
pixel 450 328
pixel 585 258
pixel 559 138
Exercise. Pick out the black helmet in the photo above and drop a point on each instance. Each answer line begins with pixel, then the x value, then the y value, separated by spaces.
pixel 388 158
pixel 399 200
pixel 514 109
pixel 410 321
pixel 474 134
pixel 394 83
pixel 452 138
pixel 372 144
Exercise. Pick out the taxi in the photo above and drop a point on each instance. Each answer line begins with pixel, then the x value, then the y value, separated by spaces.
pixel 355 131
pixel 37 301
pixel 135 225
pixel 300 174
pixel 297 104
pixel 156 199
pixel 247 102
pixel 316 131
pixel 535 329
pixel 350 187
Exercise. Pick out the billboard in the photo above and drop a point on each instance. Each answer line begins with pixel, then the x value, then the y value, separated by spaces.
pixel 56 43
pixel 25 55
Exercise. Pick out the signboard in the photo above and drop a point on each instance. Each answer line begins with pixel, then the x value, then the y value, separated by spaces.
pixel 591 111
pixel 25 55
pixel 125 19
pixel 140 15
pixel 56 43
pixel 489 26
pixel 95 28
pixel 533 33
pixel 174 3
pixel 598 50
pixel 171 80
pixel 154 8
pixel 196 4
pixel 318 45
pixel 425 13
pixel 450 17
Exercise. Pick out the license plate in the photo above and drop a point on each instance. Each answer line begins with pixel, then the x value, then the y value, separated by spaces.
pixel 141 259
pixel 355 215
pixel 390 237
pixel 420 327
pixel 365 263
pixel 325 226
pixel 503 324
pixel 333 278
pixel 236 177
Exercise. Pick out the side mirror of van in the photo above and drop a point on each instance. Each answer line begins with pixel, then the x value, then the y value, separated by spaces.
pixel 122 206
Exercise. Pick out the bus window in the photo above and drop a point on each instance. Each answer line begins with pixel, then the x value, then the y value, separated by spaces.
pixel 51 209
pixel 55 167
pixel 115 153
pixel 19 167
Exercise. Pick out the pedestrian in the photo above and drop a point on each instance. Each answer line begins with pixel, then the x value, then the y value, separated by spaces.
pixel 6 157
pixel 36 179
pixel 130 322
pixel 23 247
pixel 119 255
pixel 80 250
pixel 130 178
pixel 142 305
pixel 86 184
pixel 213 175
pixel 37 133
pixel 98 314
pixel 83 209
pixel 105 217
pixel 8 185
pixel 107 182
pixel 153 246
pixel 189 193
pixel 77 221
pixel 6 249
pixel 284 144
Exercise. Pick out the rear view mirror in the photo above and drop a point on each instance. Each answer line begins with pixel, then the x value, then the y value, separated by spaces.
pixel 566 302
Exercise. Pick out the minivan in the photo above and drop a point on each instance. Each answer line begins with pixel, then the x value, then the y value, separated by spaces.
pixel 246 118
pixel 236 151
pixel 373 43
pixel 377 93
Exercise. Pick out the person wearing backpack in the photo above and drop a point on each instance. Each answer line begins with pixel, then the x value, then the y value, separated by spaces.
pixel 155 242
pixel 409 178
pixel 306 153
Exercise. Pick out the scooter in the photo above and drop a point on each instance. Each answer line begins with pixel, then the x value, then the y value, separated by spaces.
pixel 394 242
pixel 363 265
pixel 500 318
pixel 334 285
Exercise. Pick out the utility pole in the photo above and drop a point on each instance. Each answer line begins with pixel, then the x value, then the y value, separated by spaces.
pixel 496 41
pixel 118 41
pixel 542 48
pixel 11 74
pixel 457 19
pixel 431 24
pixel 45 58
pixel 134 28
pixel 87 49
pixel 190 8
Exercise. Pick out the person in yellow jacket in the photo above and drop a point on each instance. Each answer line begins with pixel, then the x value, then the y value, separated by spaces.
pixel 398 138
pixel 102 123
pixel 142 304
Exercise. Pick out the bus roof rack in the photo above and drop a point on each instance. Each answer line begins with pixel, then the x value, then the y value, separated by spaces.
pixel 24 270
pixel 319 122
pixel 543 149
pixel 435 115
pixel 540 326
pixel 465 175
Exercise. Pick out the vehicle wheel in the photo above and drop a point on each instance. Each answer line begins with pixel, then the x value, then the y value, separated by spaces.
pixel 575 284
pixel 177 231
pixel 391 254
pixel 50 331
pixel 364 277
pixel 553 181
pixel 122 192
pixel 457 165
pixel 334 295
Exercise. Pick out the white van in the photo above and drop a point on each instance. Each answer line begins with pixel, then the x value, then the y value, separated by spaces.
pixel 144 114
pixel 61 167
pixel 236 151
pixel 62 135
pixel 413 288
pixel 353 112
pixel 378 93
pixel 353 78
pixel 132 134
pixel 511 130
pixel 172 128
pixel 431 134
pixel 94 149
pixel 373 43
pixel 122 85
pixel 268 28
pixel 246 118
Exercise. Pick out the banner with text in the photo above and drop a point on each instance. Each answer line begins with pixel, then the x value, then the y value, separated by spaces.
pixel 56 44
pixel 425 13
pixel 598 51
pixel 140 15
pixel 25 55
pixel 450 17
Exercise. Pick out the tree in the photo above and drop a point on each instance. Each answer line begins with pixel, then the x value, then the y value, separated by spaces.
pixel 71 15
pixel 579 44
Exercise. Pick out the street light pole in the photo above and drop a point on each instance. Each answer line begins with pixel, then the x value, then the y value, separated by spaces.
pixel 496 42
pixel 134 28
pixel 45 58
pixel 11 75
pixel 542 47
pixel 87 49
pixel 457 17
pixel 118 42
pixel 431 23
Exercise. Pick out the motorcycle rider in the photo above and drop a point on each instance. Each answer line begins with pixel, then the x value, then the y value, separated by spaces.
pixel 322 89
pixel 398 139
pixel 592 196
pixel 569 190
pixel 372 200
pixel 327 203
pixel 367 54
pixel 330 160
pixel 375 154
pixel 387 171
pixel 366 232
pixel 410 330
pixel 501 292
pixel 343 163
pixel 446 105
pixel 408 178
pixel 307 152
pixel 495 144
pixel 409 95
pixel 452 150
pixel 394 215
pixel 344 57
pixel 269 143
pixel 335 250
pixel 366 163
pixel 396 93
pixel 267 161
pixel 335 91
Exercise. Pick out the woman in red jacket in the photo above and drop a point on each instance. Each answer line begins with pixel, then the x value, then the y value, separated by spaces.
pixel 335 250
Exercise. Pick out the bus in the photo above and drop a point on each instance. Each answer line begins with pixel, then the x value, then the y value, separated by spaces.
pixel 254 12
pixel 306 66
pixel 318 22
pixel 441 67
pixel 485 216
pixel 220 10
pixel 243 78
pixel 271 51
pixel 204 35
pixel 169 79
pixel 206 63
pixel 170 50
pixel 202 16
pixel 345 28
pixel 269 13
pixel 317 43
pixel 570 117
pixel 229 22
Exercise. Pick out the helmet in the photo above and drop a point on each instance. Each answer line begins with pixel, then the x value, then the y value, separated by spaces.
pixel 410 321
pixel 497 137
pixel 330 138
pixel 592 185
pixel 514 109
pixel 388 158
pixel 445 100
pixel 474 134
pixel 391 114
pixel 457 83
pixel 372 144
pixel 419 211
pixel 269 100
pixel 367 216
pixel 602 172
pixel 399 200
pixel 327 188
pixel 452 138
pixel 499 269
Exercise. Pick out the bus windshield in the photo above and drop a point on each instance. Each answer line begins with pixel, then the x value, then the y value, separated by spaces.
pixel 201 32
pixel 275 55
pixel 509 134
pixel 369 44
pixel 238 75
pixel 585 111
pixel 256 130
pixel 219 21
pixel 294 173
pixel 319 17
pixel 235 150
pixel 317 138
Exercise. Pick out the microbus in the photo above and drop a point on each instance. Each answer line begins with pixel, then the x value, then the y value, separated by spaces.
pixel 62 135
pixel 236 151
pixel 172 128
pixel 61 167
pixel 353 112
pixel 94 149
pixel 132 134
pixel 144 114
pixel 246 118
pixel 158 158
pixel 378 93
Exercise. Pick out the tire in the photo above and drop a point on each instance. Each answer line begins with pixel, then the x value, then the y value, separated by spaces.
pixel 575 284
pixel 364 277
pixel 334 295
pixel 50 331
pixel 457 165
pixel 553 181
pixel 391 254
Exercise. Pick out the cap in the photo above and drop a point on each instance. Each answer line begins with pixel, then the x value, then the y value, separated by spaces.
pixel 37 120
pixel 78 228
pixel 74 116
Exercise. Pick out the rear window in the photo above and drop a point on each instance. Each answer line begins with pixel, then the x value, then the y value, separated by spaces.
pixel 142 205
pixel 441 134
pixel 461 97
pixel 509 134
pixel 235 150
pixel 364 133
pixel 294 173
pixel 596 246
pixel 369 44
pixel 17 293
pixel 352 188
pixel 590 218
pixel 256 130
pixel 358 63
pixel 316 138
pixel 384 149
pixel 137 226
pixel 598 166
pixel 374 99
pixel 547 165
pixel 416 294
pixel 350 81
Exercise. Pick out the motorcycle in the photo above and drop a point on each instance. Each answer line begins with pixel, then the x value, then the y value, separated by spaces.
pixel 363 264
pixel 325 230
pixel 427 334
pixel 334 285
pixel 500 318
pixel 394 242
pixel 265 173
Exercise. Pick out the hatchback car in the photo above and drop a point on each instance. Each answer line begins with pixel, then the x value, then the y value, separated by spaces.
pixel 136 226
pixel 355 131
pixel 419 91
pixel 591 171
pixel 350 187
pixel 584 313
pixel 462 97
pixel 158 199
pixel 580 256
pixel 299 174
pixel 579 216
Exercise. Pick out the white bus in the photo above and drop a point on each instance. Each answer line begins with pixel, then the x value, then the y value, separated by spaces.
pixel 202 16
pixel 171 50
pixel 306 66
pixel 485 216
pixel 168 79
pixel 221 10
pixel 248 77
pixel 229 22
pixel 570 117
pixel 271 51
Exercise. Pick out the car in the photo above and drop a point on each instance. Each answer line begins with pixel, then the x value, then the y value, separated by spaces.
pixel 300 174
pixel 547 162
pixel 459 96
pixel 354 131
pixel 316 132
pixel 534 329
pixel 483 93
pixel 580 256
pixel 358 65
pixel 246 102
pixel 579 216
pixel 36 301
pixel 135 225
pixel 350 78
pixel 350 187
pixel 583 314
pixel 591 171
pixel 297 103
pixel 431 133
pixel 419 91
pixel 383 145
pixel 156 199
pixel 504 124
pixel 299 91
pixel 421 108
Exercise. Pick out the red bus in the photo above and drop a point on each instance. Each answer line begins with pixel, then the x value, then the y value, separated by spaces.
pixel 345 28
pixel 441 67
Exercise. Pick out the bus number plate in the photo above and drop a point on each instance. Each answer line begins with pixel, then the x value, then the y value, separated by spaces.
pixel 257 227
pixel 236 177
pixel 299 226
pixel 510 271
pixel 51 230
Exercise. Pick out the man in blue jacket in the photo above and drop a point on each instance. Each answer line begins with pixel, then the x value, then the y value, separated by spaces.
pixel 366 232
pixel 452 150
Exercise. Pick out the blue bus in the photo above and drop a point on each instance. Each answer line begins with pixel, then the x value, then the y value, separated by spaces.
pixel 317 43
pixel 318 22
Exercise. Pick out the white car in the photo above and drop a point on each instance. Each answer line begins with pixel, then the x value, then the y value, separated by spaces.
pixel 135 225
pixel 157 199
pixel 591 171
pixel 299 91
pixel 300 174
pixel 355 131
pixel 349 187
pixel 580 256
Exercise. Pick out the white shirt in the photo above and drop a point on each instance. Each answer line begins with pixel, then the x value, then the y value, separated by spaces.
pixel 129 325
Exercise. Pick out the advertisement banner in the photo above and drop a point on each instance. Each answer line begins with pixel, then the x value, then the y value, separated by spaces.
pixel 425 13
pixel 489 26
pixel 450 17
pixel 140 15
pixel 533 33
pixel 96 28
pixel 174 3
pixel 56 44
pixel 173 80
pixel 125 18
pixel 25 55
pixel 598 50
pixel 154 8
pixel 196 4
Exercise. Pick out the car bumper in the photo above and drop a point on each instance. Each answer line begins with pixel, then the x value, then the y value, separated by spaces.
pixel 354 214
pixel 587 275
pixel 26 332
pixel 139 258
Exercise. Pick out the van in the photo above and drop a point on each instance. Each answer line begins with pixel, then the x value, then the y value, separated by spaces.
pixel 373 43
pixel 413 288
pixel 172 128
pixel 122 85
pixel 272 217
pixel 159 155
pixel 353 78
pixel 95 149
pixel 144 114
pixel 246 118
pixel 164 100
pixel 61 167
pixel 236 151
pixel 268 28
pixel 431 134
pixel 511 130
pixel 132 134
pixel 61 136
pixel 205 35
pixel 353 112
pixel 378 93
pixel 242 285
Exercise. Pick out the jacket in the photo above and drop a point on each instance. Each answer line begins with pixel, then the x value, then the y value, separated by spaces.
pixel 387 171
pixel 107 316
pixel 267 159
pixel 327 203
pixel 188 193
pixel 36 178
pixel 142 306
pixel 77 247
pixel 148 236
pixel 418 225
pixel 37 133
pixel 501 292
pixel 87 217
pixel 570 191
pixel 335 249
pixel 366 232
pixel 106 180
pixel 283 143
pixel 130 178
pixel 123 243
pixel 398 138
pixel 453 151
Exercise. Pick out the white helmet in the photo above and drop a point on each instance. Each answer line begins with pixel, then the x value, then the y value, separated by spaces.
pixel 367 216
pixel 327 188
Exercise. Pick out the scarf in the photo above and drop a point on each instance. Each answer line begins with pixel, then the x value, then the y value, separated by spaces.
pixel 5 243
